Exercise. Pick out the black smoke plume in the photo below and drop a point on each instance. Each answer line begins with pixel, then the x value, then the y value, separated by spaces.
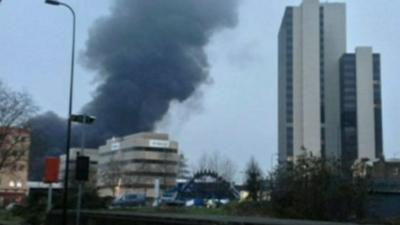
pixel 147 53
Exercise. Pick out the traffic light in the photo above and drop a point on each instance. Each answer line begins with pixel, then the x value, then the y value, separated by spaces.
pixel 82 168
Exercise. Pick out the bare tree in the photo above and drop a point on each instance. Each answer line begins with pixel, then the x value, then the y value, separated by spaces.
pixel 138 180
pixel 116 174
pixel 227 169
pixel 183 169
pixel 221 164
pixel 16 108
pixel 111 175
pixel 201 164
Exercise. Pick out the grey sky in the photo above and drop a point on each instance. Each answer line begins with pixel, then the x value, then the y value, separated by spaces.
pixel 237 113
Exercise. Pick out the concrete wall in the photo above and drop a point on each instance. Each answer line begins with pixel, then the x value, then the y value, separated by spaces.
pixel 137 140
pixel 297 82
pixel 282 74
pixel 311 77
pixel 138 154
pixel 334 40
pixel 306 79
pixel 365 103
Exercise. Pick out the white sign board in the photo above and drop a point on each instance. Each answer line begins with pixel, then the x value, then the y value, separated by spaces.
pixel 115 146
pixel 159 144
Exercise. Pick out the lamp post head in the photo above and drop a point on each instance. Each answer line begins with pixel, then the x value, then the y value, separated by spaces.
pixel 83 118
pixel 51 2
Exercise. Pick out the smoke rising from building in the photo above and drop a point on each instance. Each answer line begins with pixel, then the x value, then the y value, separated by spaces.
pixel 146 54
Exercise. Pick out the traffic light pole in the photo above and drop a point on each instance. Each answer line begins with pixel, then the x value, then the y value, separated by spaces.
pixel 80 185
pixel 50 198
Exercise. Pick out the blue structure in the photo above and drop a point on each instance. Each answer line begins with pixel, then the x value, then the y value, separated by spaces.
pixel 203 186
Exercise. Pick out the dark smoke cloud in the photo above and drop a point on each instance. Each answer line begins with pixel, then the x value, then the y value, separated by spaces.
pixel 48 132
pixel 148 53
pixel 48 139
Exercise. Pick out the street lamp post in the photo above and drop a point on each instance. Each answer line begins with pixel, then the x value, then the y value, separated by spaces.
pixel 71 88
pixel 83 119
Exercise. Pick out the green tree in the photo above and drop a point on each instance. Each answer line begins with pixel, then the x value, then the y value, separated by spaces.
pixel 253 179
pixel 312 188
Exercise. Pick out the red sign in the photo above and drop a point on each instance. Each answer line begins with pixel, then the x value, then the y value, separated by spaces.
pixel 52 167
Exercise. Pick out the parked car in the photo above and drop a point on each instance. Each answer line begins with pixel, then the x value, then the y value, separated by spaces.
pixel 129 200
pixel 170 198
pixel 215 203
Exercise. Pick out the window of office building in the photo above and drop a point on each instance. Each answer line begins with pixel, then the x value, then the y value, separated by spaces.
pixel 348 103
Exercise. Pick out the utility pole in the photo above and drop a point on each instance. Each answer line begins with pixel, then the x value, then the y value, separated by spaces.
pixel 83 119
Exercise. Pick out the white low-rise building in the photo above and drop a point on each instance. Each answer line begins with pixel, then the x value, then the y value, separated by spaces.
pixel 133 163
pixel 93 157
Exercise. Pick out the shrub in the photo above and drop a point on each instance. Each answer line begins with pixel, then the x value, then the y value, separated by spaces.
pixel 312 188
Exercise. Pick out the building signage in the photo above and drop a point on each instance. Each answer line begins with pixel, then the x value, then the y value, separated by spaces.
pixel 115 146
pixel 52 167
pixel 159 144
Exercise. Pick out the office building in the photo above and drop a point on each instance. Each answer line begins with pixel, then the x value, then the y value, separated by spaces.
pixel 134 163
pixel 312 44
pixel 14 171
pixel 93 160
pixel 361 105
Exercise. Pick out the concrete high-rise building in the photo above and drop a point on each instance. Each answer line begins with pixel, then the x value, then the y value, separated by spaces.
pixel 312 42
pixel 361 105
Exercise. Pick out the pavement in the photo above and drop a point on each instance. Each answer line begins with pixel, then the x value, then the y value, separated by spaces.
pixel 202 219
